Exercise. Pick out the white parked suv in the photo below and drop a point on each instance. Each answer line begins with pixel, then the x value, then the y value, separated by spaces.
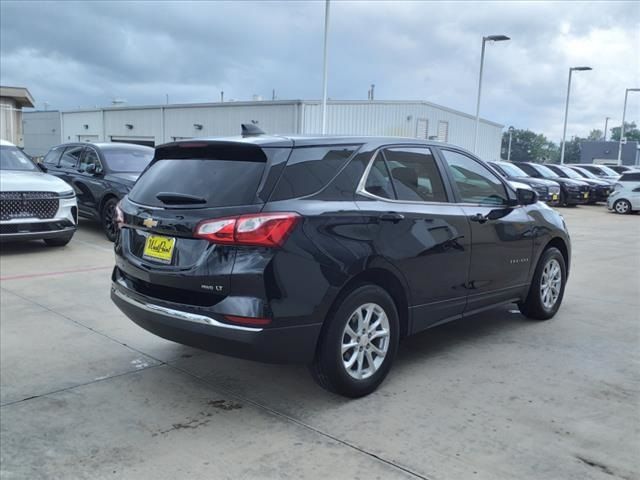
pixel 33 204
pixel 625 197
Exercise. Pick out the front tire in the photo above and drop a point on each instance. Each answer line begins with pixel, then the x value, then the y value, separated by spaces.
pixel 108 218
pixel 359 343
pixel 547 286
pixel 622 207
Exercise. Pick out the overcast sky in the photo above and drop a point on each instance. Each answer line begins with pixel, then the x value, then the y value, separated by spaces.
pixel 85 54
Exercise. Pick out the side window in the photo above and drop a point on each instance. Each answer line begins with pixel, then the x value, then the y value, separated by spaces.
pixel 379 181
pixel 475 182
pixel 415 174
pixel 71 156
pixel 630 177
pixel 635 190
pixel 52 158
pixel 90 157
pixel 309 169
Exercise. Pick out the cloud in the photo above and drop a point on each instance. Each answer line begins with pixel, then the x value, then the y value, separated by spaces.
pixel 72 54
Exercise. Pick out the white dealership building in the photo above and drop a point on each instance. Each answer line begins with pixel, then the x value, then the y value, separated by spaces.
pixel 157 124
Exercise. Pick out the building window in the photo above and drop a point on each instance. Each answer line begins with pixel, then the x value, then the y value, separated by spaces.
pixel 443 131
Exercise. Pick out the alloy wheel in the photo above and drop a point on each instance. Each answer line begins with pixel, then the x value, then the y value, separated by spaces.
pixel 108 220
pixel 365 341
pixel 621 206
pixel 550 283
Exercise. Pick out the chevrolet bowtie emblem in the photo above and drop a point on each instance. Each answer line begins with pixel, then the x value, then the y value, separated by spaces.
pixel 150 222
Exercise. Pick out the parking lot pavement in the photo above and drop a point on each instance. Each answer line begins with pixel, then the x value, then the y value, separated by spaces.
pixel 87 394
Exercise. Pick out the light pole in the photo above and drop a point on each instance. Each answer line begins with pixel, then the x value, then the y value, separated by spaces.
pixel 624 113
pixel 606 123
pixel 566 109
pixel 511 129
pixel 324 68
pixel 490 38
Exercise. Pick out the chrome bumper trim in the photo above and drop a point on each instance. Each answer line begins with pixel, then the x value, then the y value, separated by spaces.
pixel 180 315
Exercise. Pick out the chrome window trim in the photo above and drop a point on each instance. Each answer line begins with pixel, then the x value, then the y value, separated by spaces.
pixel 180 315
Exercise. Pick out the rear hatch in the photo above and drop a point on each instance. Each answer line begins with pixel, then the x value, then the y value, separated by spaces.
pixel 185 184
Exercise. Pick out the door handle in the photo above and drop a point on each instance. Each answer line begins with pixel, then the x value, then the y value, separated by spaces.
pixel 478 217
pixel 391 217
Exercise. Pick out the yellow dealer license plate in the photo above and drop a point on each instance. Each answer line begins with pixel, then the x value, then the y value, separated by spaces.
pixel 159 248
pixel 586 195
pixel 554 197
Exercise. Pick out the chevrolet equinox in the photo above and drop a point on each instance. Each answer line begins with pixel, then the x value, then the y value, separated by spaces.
pixel 328 250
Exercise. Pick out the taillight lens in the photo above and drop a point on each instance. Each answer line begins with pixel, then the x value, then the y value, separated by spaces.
pixel 264 230
pixel 119 216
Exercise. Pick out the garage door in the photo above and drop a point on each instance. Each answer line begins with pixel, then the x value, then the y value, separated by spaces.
pixel 146 141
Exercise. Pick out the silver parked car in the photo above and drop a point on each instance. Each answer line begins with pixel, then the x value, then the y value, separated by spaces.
pixel 625 197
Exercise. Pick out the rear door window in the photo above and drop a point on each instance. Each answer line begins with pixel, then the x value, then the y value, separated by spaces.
pixel 309 169
pixel 415 174
pixel 205 175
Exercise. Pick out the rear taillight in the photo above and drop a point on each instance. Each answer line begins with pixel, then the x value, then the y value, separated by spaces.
pixel 264 230
pixel 252 321
pixel 119 216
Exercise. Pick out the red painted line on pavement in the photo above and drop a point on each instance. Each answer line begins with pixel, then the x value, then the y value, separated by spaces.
pixel 51 274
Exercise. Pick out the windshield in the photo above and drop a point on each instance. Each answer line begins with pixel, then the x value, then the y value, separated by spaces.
pixel 546 171
pixel 571 173
pixel 12 158
pixel 585 173
pixel 127 160
pixel 512 170
pixel 608 171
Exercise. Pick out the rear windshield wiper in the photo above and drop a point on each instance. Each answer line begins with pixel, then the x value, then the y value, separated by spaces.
pixel 179 198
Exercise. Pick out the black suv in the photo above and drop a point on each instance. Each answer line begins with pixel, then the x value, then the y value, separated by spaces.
pixel 572 192
pixel 328 250
pixel 100 174
pixel 599 189
pixel 548 191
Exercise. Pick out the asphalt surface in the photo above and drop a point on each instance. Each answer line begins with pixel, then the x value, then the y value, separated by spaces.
pixel 85 393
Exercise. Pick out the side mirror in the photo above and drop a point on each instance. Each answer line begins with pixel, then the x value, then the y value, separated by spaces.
pixel 42 167
pixel 526 196
pixel 93 169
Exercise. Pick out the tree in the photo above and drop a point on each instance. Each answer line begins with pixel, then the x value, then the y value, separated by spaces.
pixel 595 135
pixel 631 132
pixel 572 150
pixel 528 146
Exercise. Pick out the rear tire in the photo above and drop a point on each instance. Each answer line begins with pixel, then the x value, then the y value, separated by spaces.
pixel 58 241
pixel 622 207
pixel 354 353
pixel 108 219
pixel 547 286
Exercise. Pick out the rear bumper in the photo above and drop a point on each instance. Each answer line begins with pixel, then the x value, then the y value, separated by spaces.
pixel 293 344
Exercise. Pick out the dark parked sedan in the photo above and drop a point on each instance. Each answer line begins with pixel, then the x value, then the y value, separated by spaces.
pixel 100 173
pixel 572 192
pixel 328 250
pixel 600 189
pixel 548 191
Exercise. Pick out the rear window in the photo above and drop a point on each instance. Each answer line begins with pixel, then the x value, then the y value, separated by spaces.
pixel 216 175
pixel 127 160
pixel 309 169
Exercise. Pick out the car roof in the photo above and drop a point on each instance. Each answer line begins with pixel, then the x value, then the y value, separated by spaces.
pixel 5 143
pixel 106 145
pixel 310 140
